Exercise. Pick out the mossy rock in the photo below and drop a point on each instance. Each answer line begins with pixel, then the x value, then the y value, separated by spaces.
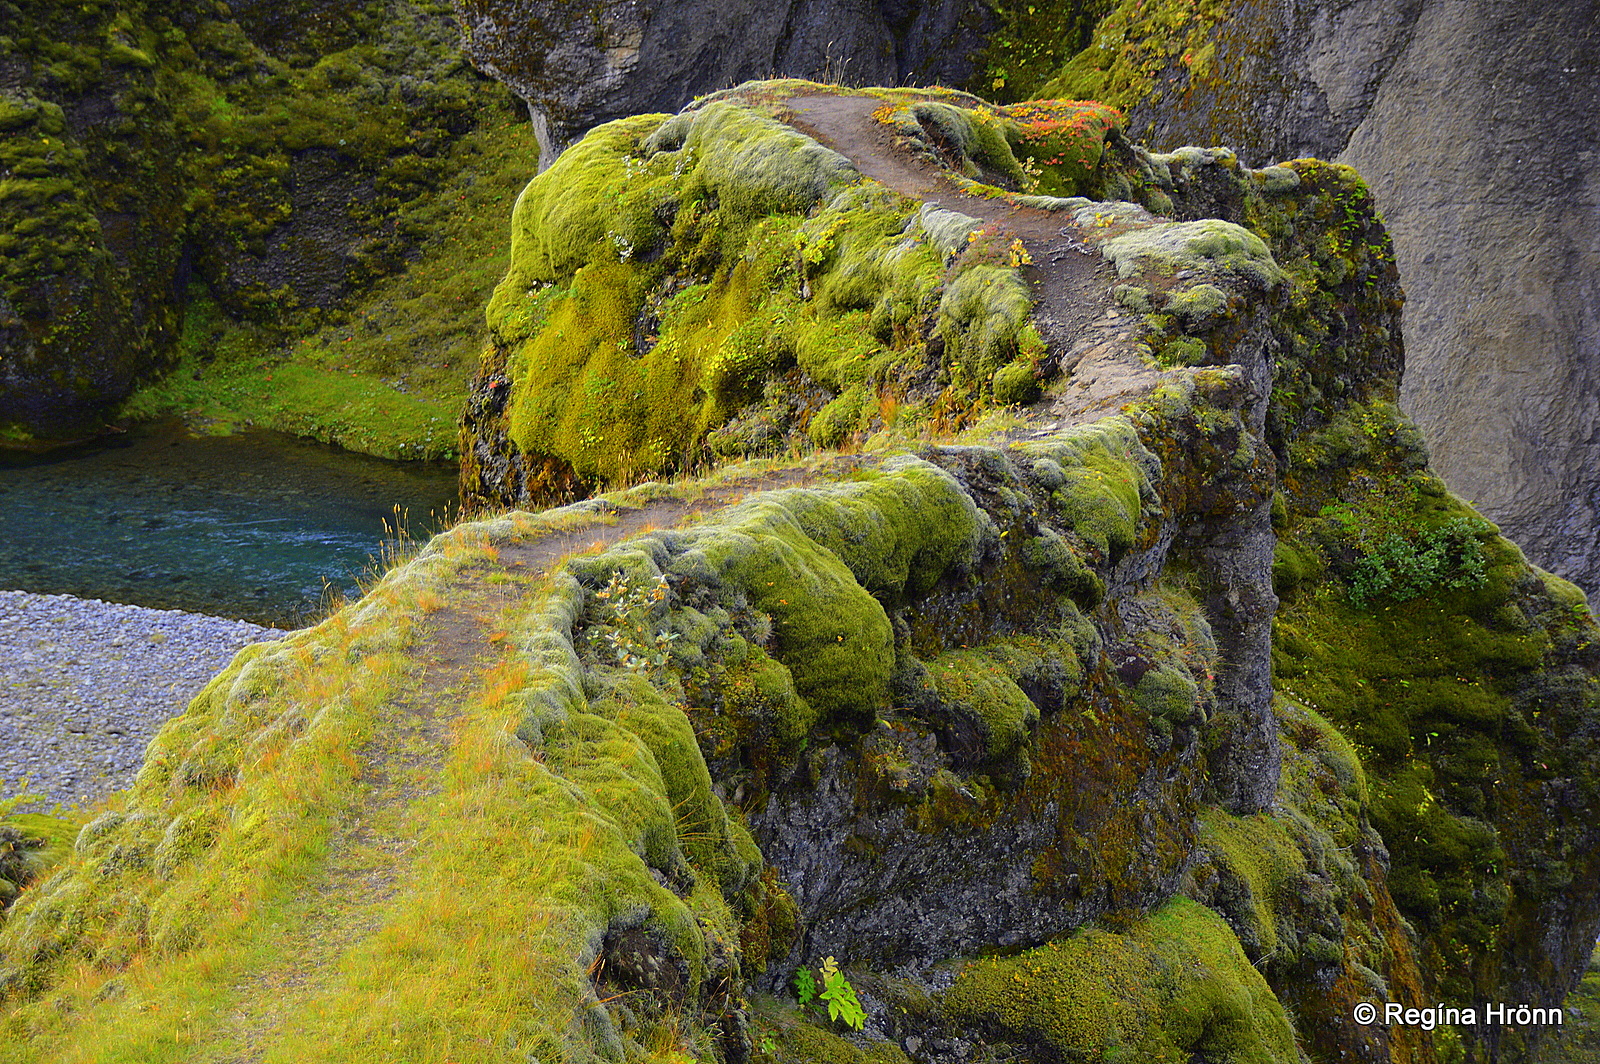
pixel 718 279
pixel 1172 986
pixel 1209 247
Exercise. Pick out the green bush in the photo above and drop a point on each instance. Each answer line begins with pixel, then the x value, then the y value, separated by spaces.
pixel 1402 568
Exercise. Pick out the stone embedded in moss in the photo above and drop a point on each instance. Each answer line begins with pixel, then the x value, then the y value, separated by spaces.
pixel 1103 477
pixel 1066 141
pixel 977 139
pixel 1210 247
pixel 1060 567
pixel 1197 305
pixel 1168 694
pixel 987 714
pixel 1015 384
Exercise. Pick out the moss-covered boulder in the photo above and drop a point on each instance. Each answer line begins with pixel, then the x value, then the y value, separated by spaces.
pixel 718 283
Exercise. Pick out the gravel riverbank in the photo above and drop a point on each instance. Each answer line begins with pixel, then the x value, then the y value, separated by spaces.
pixel 85 684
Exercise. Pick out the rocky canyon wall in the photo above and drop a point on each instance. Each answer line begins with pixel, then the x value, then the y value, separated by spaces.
pixel 1474 124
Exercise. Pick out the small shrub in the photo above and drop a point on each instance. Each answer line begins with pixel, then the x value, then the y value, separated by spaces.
pixel 1402 568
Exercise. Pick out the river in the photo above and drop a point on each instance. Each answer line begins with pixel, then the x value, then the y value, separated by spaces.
pixel 256 526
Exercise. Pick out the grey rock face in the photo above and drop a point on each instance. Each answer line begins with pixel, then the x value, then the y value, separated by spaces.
pixel 1493 197
pixel 1474 123
pixel 580 65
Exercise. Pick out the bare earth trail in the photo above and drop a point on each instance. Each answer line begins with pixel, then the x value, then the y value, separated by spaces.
pixel 1091 342
pixel 1090 339
pixel 372 845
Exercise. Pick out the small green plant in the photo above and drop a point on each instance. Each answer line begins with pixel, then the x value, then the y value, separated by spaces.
pixel 843 1004
pixel 805 986
pixel 628 632
pixel 1402 568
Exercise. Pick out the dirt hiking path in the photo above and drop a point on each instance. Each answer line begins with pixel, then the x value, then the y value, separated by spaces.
pixel 1090 339
pixel 371 846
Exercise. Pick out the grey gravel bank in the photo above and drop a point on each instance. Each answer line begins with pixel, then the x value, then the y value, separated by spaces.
pixel 85 685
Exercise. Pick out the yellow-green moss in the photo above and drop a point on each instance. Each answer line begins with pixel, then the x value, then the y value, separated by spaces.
pixel 31 845
pixel 1259 851
pixel 1101 481
pixel 1455 679
pixel 1171 986
pixel 672 275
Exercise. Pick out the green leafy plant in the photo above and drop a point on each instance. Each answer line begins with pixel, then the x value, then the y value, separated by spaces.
pixel 1403 567
pixel 843 1004
pixel 628 632
pixel 805 986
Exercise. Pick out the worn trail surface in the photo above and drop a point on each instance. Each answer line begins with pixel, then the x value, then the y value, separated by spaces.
pixel 371 848
pixel 1089 338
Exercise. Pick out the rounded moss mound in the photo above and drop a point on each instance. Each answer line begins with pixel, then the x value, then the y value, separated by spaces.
pixel 716 281
pixel 1173 987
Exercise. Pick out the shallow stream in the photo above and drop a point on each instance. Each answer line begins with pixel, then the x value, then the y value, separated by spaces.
pixel 256 526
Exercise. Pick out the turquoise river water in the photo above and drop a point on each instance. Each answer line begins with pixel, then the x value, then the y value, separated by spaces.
pixel 257 526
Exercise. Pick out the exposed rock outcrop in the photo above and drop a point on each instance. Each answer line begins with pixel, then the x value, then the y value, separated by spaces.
pixel 1286 276
pixel 1474 123
pixel 260 158
pixel 1171 732
pixel 580 65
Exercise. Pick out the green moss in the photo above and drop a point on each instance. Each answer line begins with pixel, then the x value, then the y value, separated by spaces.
pixel 1208 246
pixel 31 845
pixel 680 279
pixel 982 317
pixel 1452 688
pixel 1172 986
pixel 983 701
pixel 1100 480
pixel 1291 567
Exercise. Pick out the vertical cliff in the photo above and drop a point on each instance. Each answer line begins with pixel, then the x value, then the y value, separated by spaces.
pixel 1473 123
pixel 179 182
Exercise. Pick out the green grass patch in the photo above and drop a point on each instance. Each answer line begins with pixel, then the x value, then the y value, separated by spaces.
pixel 386 373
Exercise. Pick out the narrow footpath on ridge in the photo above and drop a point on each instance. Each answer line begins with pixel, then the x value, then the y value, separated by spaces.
pixel 456 654
pixel 1089 337
pixel 454 658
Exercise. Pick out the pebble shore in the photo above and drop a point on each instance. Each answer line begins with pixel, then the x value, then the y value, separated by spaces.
pixel 85 685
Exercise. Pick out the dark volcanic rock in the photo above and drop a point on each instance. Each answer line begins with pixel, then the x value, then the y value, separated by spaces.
pixel 580 65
